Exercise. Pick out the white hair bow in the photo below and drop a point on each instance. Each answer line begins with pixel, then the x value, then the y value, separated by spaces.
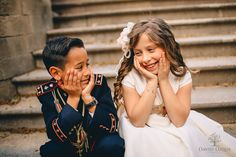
pixel 123 41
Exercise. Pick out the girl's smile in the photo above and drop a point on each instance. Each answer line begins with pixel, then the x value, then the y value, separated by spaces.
pixel 151 67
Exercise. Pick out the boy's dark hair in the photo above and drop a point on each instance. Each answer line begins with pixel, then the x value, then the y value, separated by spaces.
pixel 56 50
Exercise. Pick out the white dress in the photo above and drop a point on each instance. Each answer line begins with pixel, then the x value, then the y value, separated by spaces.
pixel 199 137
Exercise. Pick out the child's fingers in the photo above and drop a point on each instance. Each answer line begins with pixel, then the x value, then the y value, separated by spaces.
pixel 91 77
pixel 141 69
pixel 75 77
pixel 138 67
pixel 160 64
pixel 164 61
pixel 135 63
pixel 91 81
pixel 78 82
pixel 66 78
pixel 70 78
pixel 163 57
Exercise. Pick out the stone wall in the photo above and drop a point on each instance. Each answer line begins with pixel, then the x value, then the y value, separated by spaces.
pixel 23 26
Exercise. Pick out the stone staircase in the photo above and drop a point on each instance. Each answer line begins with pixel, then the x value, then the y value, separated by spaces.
pixel 205 29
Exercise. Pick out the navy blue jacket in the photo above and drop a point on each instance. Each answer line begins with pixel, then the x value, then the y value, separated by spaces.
pixel 61 125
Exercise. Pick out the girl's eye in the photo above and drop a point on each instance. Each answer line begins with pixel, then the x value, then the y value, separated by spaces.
pixel 137 53
pixel 151 50
pixel 87 64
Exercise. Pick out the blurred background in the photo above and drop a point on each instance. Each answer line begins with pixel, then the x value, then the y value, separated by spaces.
pixel 205 29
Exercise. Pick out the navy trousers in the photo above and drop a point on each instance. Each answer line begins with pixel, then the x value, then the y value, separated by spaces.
pixel 109 146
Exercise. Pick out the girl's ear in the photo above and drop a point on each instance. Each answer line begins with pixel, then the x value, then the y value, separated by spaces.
pixel 56 73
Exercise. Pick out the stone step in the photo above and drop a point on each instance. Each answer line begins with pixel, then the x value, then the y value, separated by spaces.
pixel 218 103
pixel 21 144
pixel 25 116
pixel 107 34
pixel 191 11
pixel 96 2
pixel 66 7
pixel 27 145
pixel 208 46
pixel 221 70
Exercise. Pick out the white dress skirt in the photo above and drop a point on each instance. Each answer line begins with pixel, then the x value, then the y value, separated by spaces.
pixel 199 137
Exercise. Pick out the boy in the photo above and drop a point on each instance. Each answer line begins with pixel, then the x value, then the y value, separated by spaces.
pixel 77 106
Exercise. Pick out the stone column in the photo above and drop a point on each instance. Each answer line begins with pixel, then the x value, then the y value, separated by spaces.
pixel 23 26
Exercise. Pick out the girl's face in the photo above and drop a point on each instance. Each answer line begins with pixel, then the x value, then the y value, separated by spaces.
pixel 77 59
pixel 148 54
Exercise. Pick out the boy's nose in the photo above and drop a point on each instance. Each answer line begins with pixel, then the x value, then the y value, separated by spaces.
pixel 86 71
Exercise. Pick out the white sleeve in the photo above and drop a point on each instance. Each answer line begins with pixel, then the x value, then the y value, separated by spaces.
pixel 128 81
pixel 186 79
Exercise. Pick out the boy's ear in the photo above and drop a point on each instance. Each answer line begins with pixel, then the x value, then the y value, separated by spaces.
pixel 56 73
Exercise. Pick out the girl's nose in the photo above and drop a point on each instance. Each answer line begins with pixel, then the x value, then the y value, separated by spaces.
pixel 146 58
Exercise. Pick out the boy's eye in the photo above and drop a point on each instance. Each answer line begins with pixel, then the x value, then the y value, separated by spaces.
pixel 79 68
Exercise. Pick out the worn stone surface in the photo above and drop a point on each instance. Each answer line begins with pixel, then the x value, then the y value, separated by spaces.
pixel 15 25
pixel 27 145
pixel 230 128
pixel 12 46
pixel 7 90
pixel 36 41
pixel 13 66
pixel 10 7
pixel 40 13
pixel 23 30
pixel 25 115
pixel 66 7
pixel 171 12
pixel 109 33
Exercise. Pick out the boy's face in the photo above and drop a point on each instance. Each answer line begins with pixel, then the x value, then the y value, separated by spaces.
pixel 77 59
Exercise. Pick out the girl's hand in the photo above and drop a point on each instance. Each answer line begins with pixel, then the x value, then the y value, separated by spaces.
pixel 148 75
pixel 71 84
pixel 164 68
pixel 86 93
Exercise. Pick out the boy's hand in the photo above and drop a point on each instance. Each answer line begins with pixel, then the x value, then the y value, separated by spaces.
pixel 86 92
pixel 164 68
pixel 71 84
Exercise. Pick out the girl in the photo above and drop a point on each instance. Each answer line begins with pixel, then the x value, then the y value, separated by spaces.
pixel 154 86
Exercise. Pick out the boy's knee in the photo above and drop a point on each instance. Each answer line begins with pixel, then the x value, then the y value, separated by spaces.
pixel 52 148
pixel 112 146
